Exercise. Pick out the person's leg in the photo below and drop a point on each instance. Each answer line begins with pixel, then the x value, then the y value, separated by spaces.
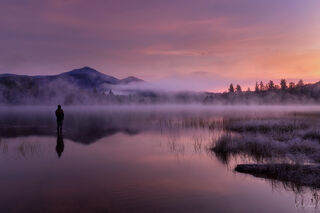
pixel 59 126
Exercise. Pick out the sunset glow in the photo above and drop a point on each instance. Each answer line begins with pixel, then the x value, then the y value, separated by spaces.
pixel 214 42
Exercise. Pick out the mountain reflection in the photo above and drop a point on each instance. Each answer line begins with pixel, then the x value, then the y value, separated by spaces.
pixel 88 126
pixel 77 134
pixel 302 180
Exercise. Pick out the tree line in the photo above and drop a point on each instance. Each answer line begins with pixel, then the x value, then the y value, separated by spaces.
pixel 270 86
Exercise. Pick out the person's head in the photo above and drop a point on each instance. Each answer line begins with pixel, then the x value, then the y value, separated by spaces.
pixel 59 106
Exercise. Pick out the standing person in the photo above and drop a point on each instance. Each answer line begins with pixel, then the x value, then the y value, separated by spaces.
pixel 60 116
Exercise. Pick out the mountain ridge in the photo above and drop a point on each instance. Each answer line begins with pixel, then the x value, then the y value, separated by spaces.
pixel 88 86
pixel 83 85
pixel 80 71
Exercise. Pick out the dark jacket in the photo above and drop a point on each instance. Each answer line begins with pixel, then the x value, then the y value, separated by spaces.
pixel 59 114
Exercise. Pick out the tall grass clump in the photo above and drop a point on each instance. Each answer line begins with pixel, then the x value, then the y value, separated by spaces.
pixel 261 139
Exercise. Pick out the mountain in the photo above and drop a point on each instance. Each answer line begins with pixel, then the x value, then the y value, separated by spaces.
pixel 75 86
pixel 87 86
pixel 86 77
pixel 130 79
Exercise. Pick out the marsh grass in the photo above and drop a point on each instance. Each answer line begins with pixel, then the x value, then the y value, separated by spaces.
pixel 256 148
pixel 313 135
pixel 28 149
pixel 265 126
pixel 295 175
pixel 192 122
pixel 4 146
pixel 197 144
pixel 289 139
pixel 285 150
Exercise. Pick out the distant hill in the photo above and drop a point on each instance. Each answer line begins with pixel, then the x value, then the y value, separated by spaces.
pixel 85 77
pixel 75 86
pixel 87 86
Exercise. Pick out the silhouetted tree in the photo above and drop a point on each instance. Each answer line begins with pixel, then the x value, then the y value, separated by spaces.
pixel 111 93
pixel 271 85
pixel 238 88
pixel 291 85
pixel 283 84
pixel 231 88
pixel 256 88
pixel 300 83
pixel 248 90
pixel 261 86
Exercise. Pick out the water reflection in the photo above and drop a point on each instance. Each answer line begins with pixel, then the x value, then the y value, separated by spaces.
pixel 60 144
pixel 137 162
pixel 306 199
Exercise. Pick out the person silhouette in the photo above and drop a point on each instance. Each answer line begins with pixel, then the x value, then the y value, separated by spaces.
pixel 60 144
pixel 60 117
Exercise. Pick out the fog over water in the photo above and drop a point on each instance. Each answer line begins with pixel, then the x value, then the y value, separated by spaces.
pixel 150 158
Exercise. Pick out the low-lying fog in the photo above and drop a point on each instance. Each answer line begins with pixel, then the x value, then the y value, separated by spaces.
pixel 87 124
pixel 173 107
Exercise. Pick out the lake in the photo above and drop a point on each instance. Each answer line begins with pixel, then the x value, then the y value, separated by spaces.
pixel 135 159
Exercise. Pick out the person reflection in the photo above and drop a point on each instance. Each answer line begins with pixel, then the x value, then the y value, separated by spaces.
pixel 60 144
pixel 59 116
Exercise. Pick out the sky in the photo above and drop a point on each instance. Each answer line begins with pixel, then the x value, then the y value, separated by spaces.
pixel 195 44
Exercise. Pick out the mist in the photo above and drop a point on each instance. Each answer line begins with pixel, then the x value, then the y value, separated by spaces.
pixel 62 92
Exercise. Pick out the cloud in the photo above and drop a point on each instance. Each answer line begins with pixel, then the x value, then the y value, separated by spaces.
pixel 157 39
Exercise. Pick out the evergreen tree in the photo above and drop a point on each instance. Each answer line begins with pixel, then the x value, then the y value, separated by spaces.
pixel 238 88
pixel 283 84
pixel 300 83
pixel 291 85
pixel 231 88
pixel 256 88
pixel 271 85
pixel 261 86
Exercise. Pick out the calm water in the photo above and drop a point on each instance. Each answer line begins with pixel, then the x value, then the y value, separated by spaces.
pixel 131 160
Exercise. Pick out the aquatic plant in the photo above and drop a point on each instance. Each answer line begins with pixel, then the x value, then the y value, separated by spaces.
pixel 296 174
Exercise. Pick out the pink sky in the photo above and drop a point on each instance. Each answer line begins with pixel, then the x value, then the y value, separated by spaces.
pixel 206 43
